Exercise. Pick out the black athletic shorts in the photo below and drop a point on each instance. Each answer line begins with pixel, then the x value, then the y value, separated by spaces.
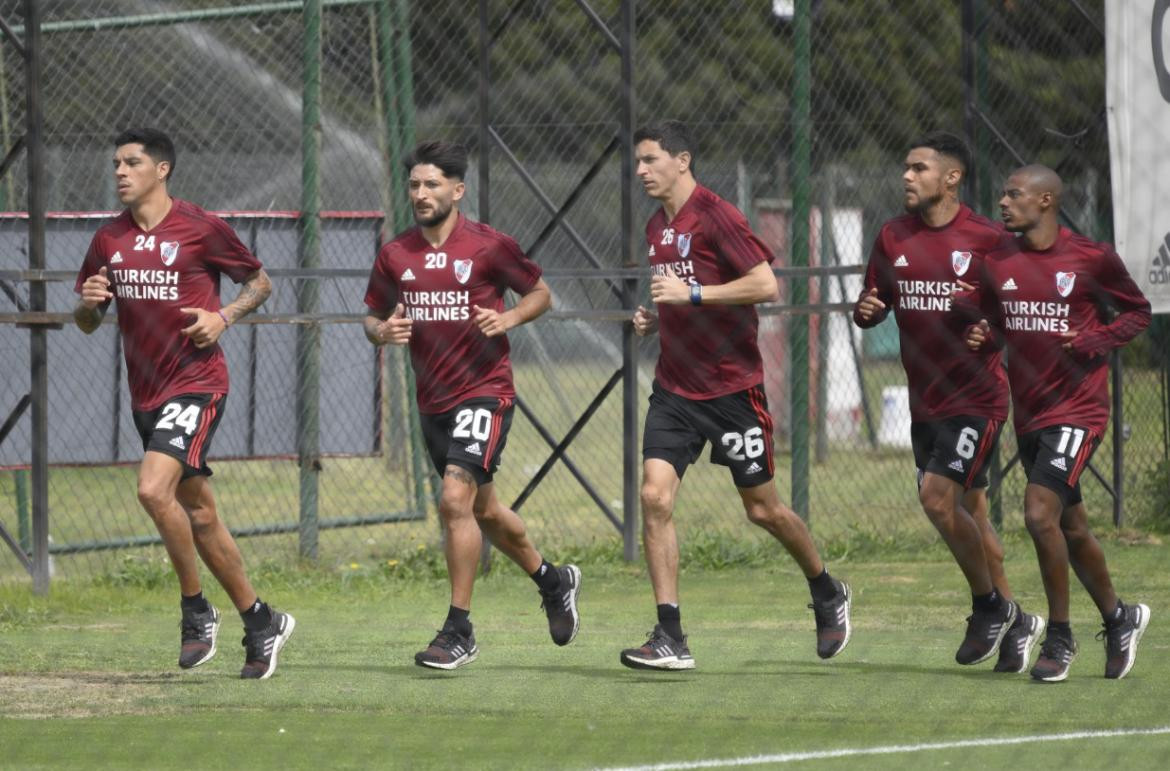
pixel 1054 457
pixel 183 428
pixel 738 426
pixel 470 435
pixel 957 448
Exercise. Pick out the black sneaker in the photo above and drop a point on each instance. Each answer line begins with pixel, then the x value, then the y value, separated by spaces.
pixel 1121 640
pixel 262 647
pixel 1056 656
pixel 561 606
pixel 834 621
pixel 449 650
pixel 1016 648
pixel 200 631
pixel 985 633
pixel 661 651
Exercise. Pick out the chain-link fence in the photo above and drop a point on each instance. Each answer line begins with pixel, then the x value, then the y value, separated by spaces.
pixel 537 90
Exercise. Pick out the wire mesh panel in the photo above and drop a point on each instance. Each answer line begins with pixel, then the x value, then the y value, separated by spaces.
pixel 541 112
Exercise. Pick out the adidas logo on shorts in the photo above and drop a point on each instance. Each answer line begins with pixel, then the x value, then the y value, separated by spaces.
pixel 754 468
pixel 473 448
pixel 178 442
pixel 1059 463
pixel 957 465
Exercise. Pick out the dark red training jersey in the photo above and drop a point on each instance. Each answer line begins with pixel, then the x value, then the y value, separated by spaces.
pixel 914 268
pixel 1031 298
pixel 152 275
pixel 453 360
pixel 709 350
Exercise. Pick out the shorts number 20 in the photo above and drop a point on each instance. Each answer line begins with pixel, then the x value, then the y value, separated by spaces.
pixel 471 423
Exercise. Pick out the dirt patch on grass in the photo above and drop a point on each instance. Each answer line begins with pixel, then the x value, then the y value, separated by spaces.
pixel 83 694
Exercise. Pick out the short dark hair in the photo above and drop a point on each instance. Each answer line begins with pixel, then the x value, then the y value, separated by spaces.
pixel 154 143
pixel 945 143
pixel 671 135
pixel 450 157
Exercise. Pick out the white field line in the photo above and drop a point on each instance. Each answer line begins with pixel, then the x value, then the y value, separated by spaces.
pixel 893 749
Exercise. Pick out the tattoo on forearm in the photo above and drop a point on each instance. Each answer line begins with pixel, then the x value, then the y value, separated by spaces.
pixel 252 296
pixel 460 474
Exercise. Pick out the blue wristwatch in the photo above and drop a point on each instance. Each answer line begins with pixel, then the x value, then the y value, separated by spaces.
pixel 696 294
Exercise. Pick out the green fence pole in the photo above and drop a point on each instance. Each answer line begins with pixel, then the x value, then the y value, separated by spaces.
pixel 398 103
pixel 798 292
pixel 23 523
pixel 309 335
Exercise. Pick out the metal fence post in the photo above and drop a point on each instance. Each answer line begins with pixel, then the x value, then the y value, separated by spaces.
pixel 798 288
pixel 398 103
pixel 309 335
pixel 630 497
pixel 38 334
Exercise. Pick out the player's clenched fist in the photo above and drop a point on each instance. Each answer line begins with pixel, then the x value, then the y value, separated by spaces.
pixel 206 329
pixel 96 290
pixel 396 329
pixel 669 289
pixel 869 305
pixel 491 323
pixel 977 334
pixel 645 322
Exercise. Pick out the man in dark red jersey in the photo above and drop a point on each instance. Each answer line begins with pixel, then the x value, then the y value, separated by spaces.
pixel 162 259
pixel 958 402
pixel 1045 295
pixel 709 270
pixel 439 288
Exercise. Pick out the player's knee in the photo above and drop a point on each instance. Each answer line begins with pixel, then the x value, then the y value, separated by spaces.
pixel 657 503
pixel 202 519
pixel 1040 524
pixel 762 515
pixel 935 505
pixel 453 506
pixel 153 496
pixel 1076 534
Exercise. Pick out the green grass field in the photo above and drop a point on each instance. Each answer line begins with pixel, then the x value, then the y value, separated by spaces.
pixel 88 676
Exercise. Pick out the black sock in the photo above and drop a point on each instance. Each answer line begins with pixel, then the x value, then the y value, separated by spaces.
pixel 257 617
pixel 670 619
pixel 822 586
pixel 458 621
pixel 987 603
pixel 1117 616
pixel 196 603
pixel 1060 629
pixel 547 577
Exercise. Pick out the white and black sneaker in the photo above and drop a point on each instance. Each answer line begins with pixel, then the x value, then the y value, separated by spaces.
pixel 199 633
pixel 985 633
pixel 449 650
pixel 834 621
pixel 1121 640
pixel 1016 649
pixel 661 651
pixel 1056 656
pixel 561 606
pixel 263 646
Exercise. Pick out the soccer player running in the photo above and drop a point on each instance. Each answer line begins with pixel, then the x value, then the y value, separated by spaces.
pixel 1044 295
pixel 161 260
pixel 439 288
pixel 709 270
pixel 958 402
